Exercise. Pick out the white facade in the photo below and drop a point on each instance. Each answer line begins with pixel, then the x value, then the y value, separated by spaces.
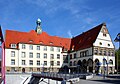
pixel 93 57
pixel 61 53
pixel 23 54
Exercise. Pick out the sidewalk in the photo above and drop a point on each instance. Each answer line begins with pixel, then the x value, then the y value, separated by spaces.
pixel 100 80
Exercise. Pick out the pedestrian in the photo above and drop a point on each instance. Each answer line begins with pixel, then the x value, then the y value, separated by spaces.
pixel 63 82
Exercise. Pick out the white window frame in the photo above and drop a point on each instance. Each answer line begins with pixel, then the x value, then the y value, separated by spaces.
pixel 45 55
pixel 23 46
pixel 30 54
pixel 38 55
pixel 13 46
pixel 38 62
pixel 30 62
pixel 30 47
pixel 12 61
pixel 23 62
pixel 23 54
pixel 38 47
pixel 12 53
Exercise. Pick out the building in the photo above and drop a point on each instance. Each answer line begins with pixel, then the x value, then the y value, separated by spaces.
pixel 92 51
pixel 37 51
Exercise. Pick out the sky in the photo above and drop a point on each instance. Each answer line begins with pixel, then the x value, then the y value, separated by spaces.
pixel 64 18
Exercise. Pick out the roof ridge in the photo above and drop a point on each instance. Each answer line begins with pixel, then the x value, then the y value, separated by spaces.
pixel 91 29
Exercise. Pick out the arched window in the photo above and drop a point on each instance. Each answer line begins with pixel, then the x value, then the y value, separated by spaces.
pixel 110 61
pixel 70 63
pixel 74 63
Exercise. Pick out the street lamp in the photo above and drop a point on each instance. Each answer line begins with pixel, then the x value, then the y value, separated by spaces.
pixel 104 68
pixel 117 39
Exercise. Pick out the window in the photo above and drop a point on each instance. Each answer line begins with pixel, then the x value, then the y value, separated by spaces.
pixel 71 56
pixel 52 63
pixel 104 52
pixel 81 54
pixel 38 69
pixel 45 48
pixel 108 53
pixel 13 46
pixel 38 55
pixel 23 54
pixel 23 46
pixel 58 49
pixel 31 47
pixel 38 63
pixel 45 63
pixel 30 55
pixel 104 35
pixel 112 53
pixel 51 49
pixel 30 62
pixel 30 69
pixel 58 56
pixel 100 43
pixel 58 63
pixel 52 56
pixel 74 63
pixel 110 61
pixel 12 62
pixel 13 69
pixel 108 44
pixel 23 62
pixel 45 55
pixel 70 63
pixel 12 53
pixel 65 58
pixel 96 51
pixel 100 52
pixel 38 47
pixel 75 55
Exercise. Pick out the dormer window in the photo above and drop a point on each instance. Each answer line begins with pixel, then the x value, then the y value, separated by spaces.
pixel 51 42
pixel 13 46
pixel 30 41
pixel 41 42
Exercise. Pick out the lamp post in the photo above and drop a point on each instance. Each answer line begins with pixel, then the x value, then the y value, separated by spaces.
pixel 117 39
pixel 104 61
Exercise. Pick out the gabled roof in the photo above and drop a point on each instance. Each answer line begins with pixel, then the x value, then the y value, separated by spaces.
pixel 82 41
pixel 33 38
pixel 86 39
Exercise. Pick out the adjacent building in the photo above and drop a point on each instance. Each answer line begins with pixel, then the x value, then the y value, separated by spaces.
pixel 36 51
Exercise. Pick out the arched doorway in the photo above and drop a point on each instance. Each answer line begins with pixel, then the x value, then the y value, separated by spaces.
pixel 23 70
pixel 66 69
pixel 84 62
pixel 79 65
pixel 97 66
pixel 90 65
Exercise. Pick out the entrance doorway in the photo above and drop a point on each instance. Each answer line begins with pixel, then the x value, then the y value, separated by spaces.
pixel 23 70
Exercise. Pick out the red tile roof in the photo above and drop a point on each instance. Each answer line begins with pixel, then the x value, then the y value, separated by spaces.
pixel 15 37
pixel 86 39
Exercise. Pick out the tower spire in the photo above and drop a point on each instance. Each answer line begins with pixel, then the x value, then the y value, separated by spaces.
pixel 38 28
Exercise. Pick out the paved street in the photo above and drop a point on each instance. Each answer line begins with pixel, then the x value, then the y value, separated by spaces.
pixel 101 80
pixel 113 79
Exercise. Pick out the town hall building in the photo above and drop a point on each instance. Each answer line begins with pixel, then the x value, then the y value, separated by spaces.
pixel 36 51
